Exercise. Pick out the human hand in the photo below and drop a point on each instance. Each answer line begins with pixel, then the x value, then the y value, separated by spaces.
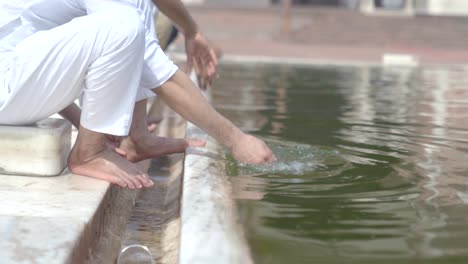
pixel 250 149
pixel 201 57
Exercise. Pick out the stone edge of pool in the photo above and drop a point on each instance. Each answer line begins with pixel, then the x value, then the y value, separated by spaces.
pixel 210 230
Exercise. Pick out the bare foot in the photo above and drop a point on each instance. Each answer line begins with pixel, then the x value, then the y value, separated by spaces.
pixel 152 146
pixel 109 166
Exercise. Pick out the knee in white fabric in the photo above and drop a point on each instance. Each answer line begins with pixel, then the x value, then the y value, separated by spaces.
pixel 125 25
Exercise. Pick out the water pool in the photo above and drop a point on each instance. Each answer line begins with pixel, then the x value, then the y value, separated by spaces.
pixel 389 152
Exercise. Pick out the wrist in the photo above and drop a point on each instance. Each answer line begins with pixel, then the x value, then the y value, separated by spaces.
pixel 191 30
pixel 235 137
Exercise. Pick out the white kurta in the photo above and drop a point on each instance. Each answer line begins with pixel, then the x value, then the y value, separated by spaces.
pixel 52 51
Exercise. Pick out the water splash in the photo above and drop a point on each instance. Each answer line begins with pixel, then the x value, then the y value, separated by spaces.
pixel 292 159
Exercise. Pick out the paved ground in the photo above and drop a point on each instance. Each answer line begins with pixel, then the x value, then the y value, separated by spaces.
pixel 334 34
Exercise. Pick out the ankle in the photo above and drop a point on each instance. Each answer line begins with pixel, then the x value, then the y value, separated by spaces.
pixel 82 153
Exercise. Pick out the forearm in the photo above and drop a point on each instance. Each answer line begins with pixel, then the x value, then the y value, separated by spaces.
pixel 72 113
pixel 182 96
pixel 176 11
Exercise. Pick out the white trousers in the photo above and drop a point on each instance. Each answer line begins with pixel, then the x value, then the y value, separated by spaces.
pixel 111 56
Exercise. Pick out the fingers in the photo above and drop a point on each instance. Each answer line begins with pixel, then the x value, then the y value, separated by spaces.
pixel 201 75
pixel 113 142
pixel 200 72
pixel 252 150
pixel 268 154
pixel 214 58
pixel 265 159
pixel 189 61
pixel 210 64
pixel 207 78
pixel 269 158
pixel 120 151
pixel 152 127
pixel 196 142
pixel 197 65
pixel 202 57
pixel 200 82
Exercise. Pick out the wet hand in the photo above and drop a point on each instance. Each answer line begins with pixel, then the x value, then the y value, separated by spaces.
pixel 250 149
pixel 201 57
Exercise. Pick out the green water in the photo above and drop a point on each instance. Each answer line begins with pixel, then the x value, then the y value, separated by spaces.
pixel 384 154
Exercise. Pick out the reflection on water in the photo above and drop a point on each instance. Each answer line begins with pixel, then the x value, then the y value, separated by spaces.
pixel 397 189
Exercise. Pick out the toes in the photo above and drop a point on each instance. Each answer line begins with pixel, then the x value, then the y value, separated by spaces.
pixel 118 181
pixel 134 181
pixel 144 178
pixel 139 178
pixel 128 180
pixel 129 183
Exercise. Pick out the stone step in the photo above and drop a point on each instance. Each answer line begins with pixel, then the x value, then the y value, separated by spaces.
pixel 36 150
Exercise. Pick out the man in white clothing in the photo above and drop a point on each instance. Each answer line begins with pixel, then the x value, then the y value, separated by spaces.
pixel 52 51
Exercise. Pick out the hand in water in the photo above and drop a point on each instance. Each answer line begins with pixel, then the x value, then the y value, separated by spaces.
pixel 250 149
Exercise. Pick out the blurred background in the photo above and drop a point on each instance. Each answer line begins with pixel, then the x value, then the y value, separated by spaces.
pixel 432 31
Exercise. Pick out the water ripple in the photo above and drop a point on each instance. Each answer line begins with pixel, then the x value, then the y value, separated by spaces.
pixel 378 173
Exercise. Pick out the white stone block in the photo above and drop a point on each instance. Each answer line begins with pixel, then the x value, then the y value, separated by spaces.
pixel 391 59
pixel 445 7
pixel 36 150
pixel 389 7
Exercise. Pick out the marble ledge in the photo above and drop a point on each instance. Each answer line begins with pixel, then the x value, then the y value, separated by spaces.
pixel 43 219
pixel 210 232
